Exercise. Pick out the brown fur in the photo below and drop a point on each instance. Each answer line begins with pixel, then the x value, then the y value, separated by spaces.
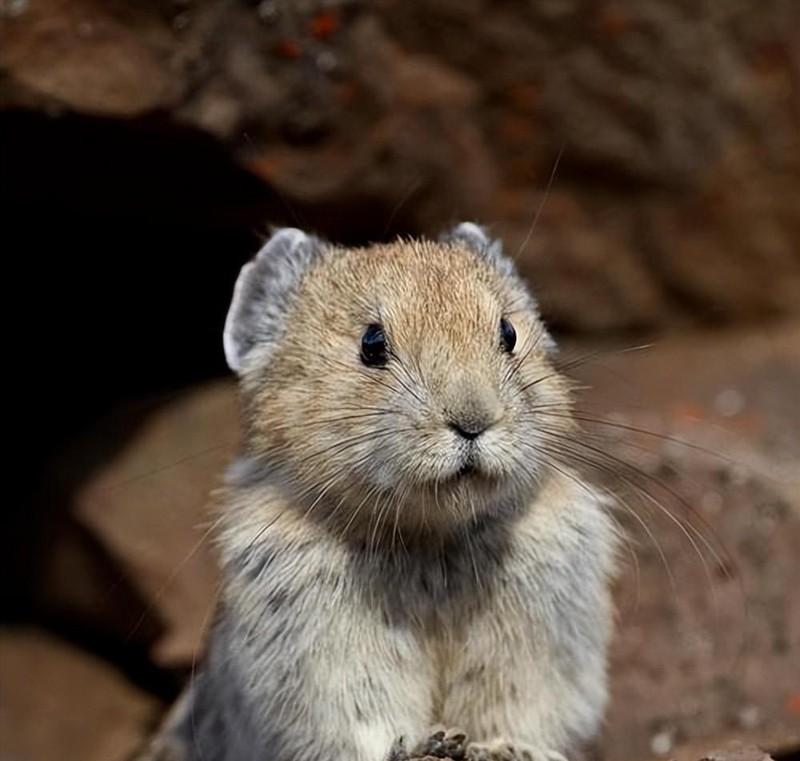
pixel 443 306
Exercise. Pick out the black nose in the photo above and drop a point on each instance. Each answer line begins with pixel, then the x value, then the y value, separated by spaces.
pixel 468 429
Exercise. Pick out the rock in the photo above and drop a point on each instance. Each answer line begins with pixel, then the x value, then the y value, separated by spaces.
pixel 737 752
pixel 709 622
pixel 82 587
pixel 677 193
pixel 81 56
pixel 150 506
pixel 62 704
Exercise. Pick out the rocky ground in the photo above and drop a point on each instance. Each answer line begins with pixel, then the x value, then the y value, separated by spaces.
pixel 709 623
pixel 160 139
pixel 676 125
pixel 707 431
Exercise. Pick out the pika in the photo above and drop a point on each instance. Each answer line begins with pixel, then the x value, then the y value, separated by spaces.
pixel 410 564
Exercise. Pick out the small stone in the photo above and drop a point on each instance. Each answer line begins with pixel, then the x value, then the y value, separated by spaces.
pixel 661 743
pixel 327 61
pixel 749 717
pixel 729 403
pixel 14 8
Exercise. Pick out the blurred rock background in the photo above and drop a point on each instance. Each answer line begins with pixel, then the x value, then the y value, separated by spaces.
pixel 148 146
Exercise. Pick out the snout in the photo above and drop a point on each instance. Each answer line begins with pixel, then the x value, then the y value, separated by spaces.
pixel 470 408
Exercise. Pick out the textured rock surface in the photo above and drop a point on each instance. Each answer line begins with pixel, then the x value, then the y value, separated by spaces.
pixel 151 508
pixel 677 197
pixel 61 704
pixel 709 622
pixel 737 752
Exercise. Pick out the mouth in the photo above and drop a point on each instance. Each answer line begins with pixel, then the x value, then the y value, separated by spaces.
pixel 467 470
pixel 470 471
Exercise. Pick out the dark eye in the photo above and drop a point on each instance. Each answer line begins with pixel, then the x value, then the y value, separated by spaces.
pixel 508 336
pixel 374 352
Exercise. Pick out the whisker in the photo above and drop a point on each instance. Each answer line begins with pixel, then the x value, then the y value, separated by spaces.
pixel 520 361
pixel 622 471
pixel 339 447
pixel 163 468
pixel 584 418
pixel 623 503
pixel 412 189
pixel 158 596
pixel 542 202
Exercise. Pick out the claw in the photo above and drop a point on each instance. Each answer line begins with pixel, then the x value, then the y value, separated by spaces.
pixel 443 743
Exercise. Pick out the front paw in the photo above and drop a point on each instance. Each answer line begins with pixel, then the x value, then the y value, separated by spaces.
pixel 501 750
pixel 442 743
pixel 450 744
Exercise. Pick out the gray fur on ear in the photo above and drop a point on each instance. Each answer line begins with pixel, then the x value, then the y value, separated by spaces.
pixel 475 238
pixel 263 295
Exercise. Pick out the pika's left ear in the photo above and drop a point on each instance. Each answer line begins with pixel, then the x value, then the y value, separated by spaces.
pixel 264 294
pixel 475 238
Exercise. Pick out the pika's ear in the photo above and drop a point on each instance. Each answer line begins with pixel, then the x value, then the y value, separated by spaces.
pixel 263 295
pixel 475 238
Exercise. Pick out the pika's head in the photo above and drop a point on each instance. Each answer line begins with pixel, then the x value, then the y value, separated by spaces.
pixel 398 386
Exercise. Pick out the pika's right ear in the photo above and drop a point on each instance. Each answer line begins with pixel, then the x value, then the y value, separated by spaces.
pixel 263 295
pixel 475 238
